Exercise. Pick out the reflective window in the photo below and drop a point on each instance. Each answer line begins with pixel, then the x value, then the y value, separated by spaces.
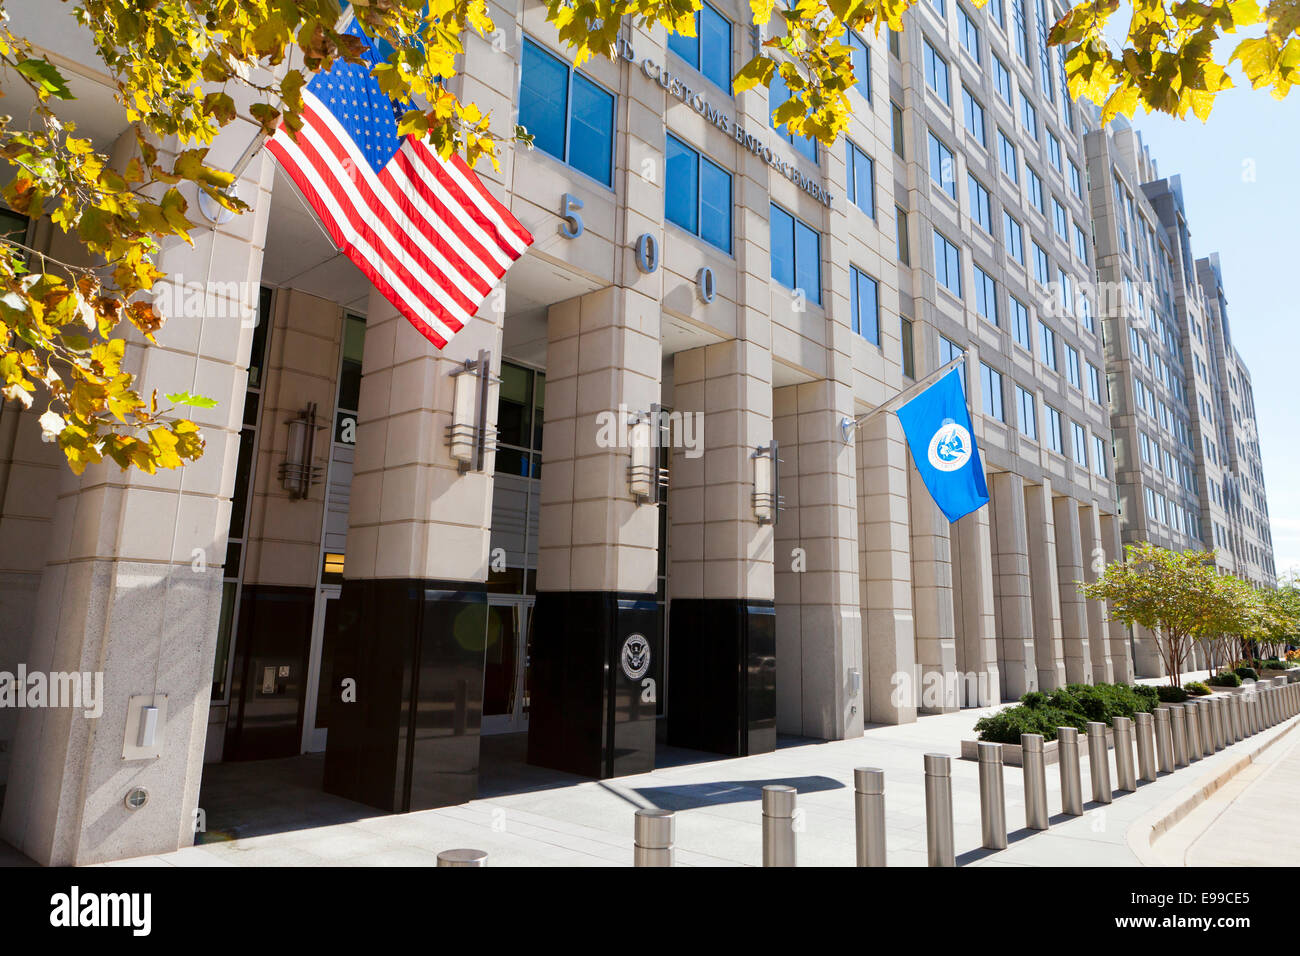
pixel 779 93
pixel 709 51
pixel 698 194
pixel 569 115
pixel 796 254
pixel 861 178
pixel 864 305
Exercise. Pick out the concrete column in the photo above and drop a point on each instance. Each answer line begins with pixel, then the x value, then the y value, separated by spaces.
pixel 819 627
pixel 1117 636
pixel 597 545
pixel 1069 567
pixel 414 590
pixel 936 634
pixel 972 576
pixel 1094 561
pixel 1015 605
pixel 885 573
pixel 721 684
pixel 131 589
pixel 1049 652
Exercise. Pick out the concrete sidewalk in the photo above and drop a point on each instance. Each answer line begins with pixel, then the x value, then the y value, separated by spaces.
pixel 569 821
pixel 1250 821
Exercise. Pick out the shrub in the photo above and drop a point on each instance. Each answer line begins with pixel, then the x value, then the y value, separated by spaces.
pixel 1006 726
pixel 1071 706
pixel 1247 673
pixel 1225 679
pixel 1171 695
pixel 1196 688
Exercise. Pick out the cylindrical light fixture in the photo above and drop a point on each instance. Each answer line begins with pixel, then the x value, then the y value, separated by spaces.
pixel 468 438
pixel 464 415
pixel 297 472
pixel 641 470
pixel 767 479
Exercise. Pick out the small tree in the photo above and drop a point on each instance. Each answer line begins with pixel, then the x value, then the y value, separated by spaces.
pixel 1176 595
pixel 1238 619
pixel 1280 616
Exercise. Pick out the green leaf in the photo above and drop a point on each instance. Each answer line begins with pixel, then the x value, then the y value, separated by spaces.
pixel 196 401
pixel 44 74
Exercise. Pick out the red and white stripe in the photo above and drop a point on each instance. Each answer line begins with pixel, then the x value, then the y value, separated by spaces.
pixel 425 231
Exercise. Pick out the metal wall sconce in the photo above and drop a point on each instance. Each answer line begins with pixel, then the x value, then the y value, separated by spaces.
pixel 767 484
pixel 641 469
pixel 647 472
pixel 298 472
pixel 468 435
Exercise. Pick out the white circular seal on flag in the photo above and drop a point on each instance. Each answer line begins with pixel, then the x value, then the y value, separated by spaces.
pixel 950 447
pixel 635 658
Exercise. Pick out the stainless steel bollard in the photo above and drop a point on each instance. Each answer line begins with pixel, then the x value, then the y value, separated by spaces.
pixel 1191 712
pixel 1234 718
pixel 1067 757
pixel 654 832
pixel 463 858
pixel 1098 762
pixel 1218 723
pixel 1266 701
pixel 1035 772
pixel 1164 739
pixel 778 825
pixel 869 815
pixel 938 810
pixel 1146 745
pixel 1125 779
pixel 1205 711
pixel 993 798
pixel 1178 721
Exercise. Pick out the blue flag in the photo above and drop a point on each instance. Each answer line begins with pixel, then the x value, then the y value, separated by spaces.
pixel 940 436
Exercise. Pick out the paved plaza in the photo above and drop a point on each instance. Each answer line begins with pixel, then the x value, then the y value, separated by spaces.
pixel 273 813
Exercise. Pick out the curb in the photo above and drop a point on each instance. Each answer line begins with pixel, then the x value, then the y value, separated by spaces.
pixel 1151 826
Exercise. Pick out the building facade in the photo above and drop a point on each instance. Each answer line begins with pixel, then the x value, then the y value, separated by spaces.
pixel 1182 411
pixel 628 503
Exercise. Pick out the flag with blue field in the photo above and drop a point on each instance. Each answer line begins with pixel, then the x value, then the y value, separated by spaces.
pixel 939 433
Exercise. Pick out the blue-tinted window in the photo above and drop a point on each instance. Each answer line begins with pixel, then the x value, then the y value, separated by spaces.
pixel 861 65
pixel 591 130
pixel 715 205
pixel 709 51
pixel 778 93
pixel 1002 80
pixel 936 73
pixel 681 201
pixel 544 99
pixel 974 115
pixel 782 247
pixel 568 115
pixel 942 166
pixel 947 264
pixel 979 203
pixel 808 261
pixel 861 179
pixel 864 302
pixel 796 254
pixel 698 194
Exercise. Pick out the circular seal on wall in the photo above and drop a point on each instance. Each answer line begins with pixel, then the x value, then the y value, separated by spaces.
pixel 950 446
pixel 635 658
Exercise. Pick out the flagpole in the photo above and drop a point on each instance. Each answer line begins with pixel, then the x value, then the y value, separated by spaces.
pixel 847 423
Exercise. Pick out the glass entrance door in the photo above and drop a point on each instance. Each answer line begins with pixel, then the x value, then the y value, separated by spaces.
pixel 505 674
pixel 320 682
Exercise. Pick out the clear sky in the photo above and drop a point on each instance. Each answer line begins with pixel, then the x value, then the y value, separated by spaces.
pixel 1241 186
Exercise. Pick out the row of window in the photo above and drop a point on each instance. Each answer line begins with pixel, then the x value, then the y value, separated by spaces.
pixel 992 397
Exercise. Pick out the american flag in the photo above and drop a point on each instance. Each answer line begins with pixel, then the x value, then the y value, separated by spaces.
pixel 425 231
